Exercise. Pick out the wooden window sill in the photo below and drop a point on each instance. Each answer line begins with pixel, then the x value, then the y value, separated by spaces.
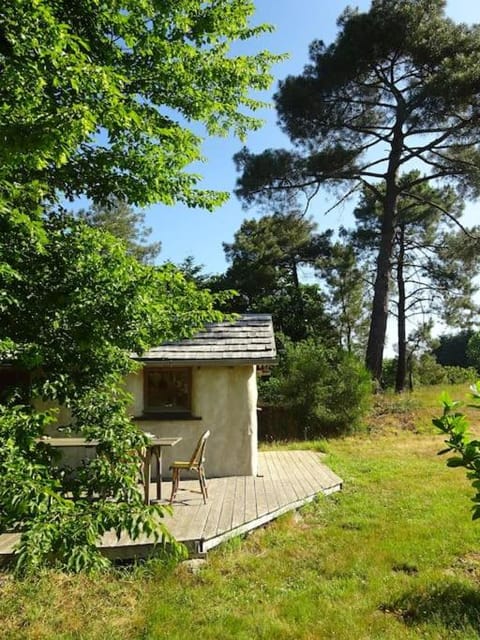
pixel 165 416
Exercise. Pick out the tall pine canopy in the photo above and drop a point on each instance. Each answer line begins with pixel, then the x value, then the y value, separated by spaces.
pixel 398 89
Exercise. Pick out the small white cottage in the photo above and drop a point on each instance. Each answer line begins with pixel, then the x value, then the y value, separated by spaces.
pixel 207 382
pixel 186 387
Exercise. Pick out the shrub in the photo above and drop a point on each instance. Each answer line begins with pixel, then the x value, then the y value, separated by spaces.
pixel 428 371
pixel 465 449
pixel 458 375
pixel 326 390
pixel 389 372
pixel 473 351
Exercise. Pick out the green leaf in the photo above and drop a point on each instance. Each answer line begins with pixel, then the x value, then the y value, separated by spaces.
pixel 455 462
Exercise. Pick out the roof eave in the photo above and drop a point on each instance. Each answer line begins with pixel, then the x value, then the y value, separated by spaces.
pixel 225 362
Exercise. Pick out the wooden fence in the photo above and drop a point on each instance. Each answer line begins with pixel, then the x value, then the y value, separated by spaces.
pixel 278 424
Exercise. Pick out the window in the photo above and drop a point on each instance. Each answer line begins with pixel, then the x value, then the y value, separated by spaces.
pixel 14 383
pixel 167 390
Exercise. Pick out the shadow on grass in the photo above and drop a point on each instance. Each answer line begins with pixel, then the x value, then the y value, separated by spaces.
pixel 454 605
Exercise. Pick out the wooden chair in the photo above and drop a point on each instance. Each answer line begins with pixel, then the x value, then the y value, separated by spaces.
pixel 194 464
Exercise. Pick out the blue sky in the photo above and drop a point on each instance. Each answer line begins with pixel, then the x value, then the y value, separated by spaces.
pixel 199 233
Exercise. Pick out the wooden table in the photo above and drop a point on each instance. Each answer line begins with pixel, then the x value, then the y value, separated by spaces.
pixel 152 450
pixel 68 442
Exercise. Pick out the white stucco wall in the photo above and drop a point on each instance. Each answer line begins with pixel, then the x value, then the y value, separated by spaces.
pixel 70 456
pixel 224 399
pixel 62 414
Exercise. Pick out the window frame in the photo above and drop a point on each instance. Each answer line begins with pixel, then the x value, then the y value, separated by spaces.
pixel 151 410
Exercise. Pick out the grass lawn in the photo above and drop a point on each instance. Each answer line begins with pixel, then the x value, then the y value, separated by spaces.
pixel 394 555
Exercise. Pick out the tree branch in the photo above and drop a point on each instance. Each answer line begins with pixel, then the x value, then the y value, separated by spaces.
pixel 444 211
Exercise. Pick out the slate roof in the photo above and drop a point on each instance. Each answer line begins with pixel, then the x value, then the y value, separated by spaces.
pixel 247 340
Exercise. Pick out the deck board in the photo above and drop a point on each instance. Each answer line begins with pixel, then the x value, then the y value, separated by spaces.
pixel 239 508
pixel 260 494
pixel 251 510
pixel 308 483
pixel 301 482
pixel 285 487
pixel 216 497
pixel 277 480
pixel 286 480
pixel 271 490
pixel 226 515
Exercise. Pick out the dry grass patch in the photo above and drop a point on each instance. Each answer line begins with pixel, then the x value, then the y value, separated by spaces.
pixel 56 605
pixel 413 411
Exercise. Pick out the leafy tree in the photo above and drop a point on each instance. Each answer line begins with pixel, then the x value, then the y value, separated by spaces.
pixel 265 259
pixel 432 266
pixel 347 295
pixel 452 349
pixel 399 85
pixel 326 389
pixel 96 97
pixel 473 350
pixel 80 308
pixel 100 100
pixel 194 272
pixel 122 221
pixel 420 344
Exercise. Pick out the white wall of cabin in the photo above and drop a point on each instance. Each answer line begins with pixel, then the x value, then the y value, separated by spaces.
pixel 224 400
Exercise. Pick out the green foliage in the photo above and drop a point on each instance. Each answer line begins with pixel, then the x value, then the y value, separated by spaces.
pixel 465 449
pixel 400 83
pixel 100 100
pixel 61 517
pixel 425 370
pixel 452 349
pixel 473 351
pixel 428 371
pixel 124 222
pixel 346 295
pixel 389 370
pixel 457 375
pixel 265 261
pixel 95 97
pixel 76 309
pixel 326 389
pixel 193 272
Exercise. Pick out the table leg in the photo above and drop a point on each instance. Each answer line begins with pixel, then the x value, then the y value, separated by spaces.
pixel 158 451
pixel 147 474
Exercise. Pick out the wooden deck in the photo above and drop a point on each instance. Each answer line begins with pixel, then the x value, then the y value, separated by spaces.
pixel 236 505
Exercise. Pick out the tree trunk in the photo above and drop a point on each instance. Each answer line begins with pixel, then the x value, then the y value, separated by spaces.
pixel 410 372
pixel 379 317
pixel 401 329
pixel 378 321
pixel 299 304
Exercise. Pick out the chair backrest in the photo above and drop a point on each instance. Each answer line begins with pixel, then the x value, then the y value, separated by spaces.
pixel 198 455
